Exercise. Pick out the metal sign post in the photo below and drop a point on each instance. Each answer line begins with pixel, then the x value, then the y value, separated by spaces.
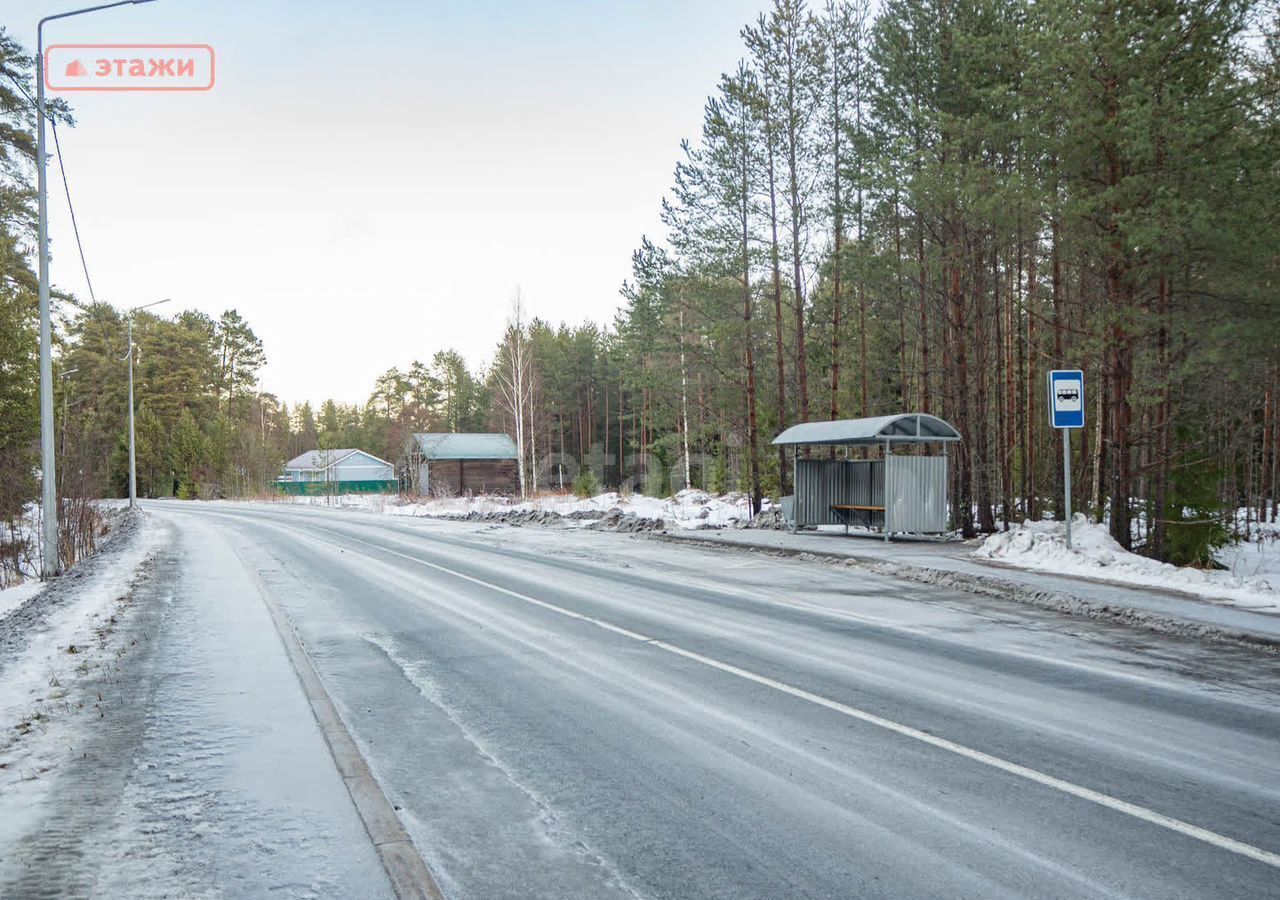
pixel 1066 411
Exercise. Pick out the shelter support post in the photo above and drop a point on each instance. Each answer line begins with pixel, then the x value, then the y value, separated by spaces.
pixel 888 497
pixel 795 482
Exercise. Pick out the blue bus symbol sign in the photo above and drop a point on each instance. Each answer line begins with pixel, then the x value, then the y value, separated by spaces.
pixel 1066 398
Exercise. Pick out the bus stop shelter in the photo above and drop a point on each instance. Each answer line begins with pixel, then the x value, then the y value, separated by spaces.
pixel 898 493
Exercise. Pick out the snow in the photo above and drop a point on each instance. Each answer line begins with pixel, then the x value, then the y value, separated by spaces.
pixel 13 597
pixel 23 534
pixel 172 753
pixel 40 718
pixel 689 509
pixel 48 657
pixel 1256 557
pixel 232 773
pixel 1252 582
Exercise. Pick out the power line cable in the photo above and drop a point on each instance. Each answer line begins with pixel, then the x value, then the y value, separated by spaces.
pixel 75 227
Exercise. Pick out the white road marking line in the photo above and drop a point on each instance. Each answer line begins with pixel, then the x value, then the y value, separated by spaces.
pixel 1091 667
pixel 1139 812
pixel 1114 803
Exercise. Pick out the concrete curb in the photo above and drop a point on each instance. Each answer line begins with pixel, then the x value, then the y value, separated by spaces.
pixel 409 876
pixel 1002 588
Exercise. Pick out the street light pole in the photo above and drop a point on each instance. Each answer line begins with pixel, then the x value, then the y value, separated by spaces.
pixel 50 560
pixel 133 459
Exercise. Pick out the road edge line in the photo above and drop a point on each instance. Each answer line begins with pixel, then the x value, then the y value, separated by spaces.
pixel 998 588
pixel 408 873
pixel 1134 810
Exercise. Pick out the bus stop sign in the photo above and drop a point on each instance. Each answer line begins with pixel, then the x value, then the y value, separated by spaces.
pixel 1066 398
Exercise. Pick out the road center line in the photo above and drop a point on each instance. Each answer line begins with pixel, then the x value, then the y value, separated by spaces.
pixel 1114 803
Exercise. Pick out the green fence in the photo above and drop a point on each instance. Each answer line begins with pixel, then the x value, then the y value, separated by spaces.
pixel 321 488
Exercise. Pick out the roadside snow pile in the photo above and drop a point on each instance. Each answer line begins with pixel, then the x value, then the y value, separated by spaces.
pixel 19 552
pixel 1095 554
pixel 689 509
pixel 1257 557
pixel 64 635
pixel 13 597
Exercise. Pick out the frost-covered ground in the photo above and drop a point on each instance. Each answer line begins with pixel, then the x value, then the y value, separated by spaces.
pixel 56 653
pixel 13 597
pixel 1255 558
pixel 688 509
pixel 19 552
pixel 155 742
pixel 1252 577
pixel 68 637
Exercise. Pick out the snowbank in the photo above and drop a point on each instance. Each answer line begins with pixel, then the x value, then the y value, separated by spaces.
pixel 1258 557
pixel 20 543
pixel 1095 554
pixel 688 509
pixel 13 597
pixel 72 638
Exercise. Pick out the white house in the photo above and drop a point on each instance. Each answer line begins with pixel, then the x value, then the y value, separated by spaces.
pixel 353 470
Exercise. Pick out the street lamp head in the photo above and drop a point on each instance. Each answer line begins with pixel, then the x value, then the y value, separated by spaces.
pixel 148 305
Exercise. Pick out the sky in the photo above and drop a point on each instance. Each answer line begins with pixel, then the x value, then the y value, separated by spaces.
pixel 368 183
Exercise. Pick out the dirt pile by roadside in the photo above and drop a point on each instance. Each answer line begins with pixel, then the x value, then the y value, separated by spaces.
pixel 600 520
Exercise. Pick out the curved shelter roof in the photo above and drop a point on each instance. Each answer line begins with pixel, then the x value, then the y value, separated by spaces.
pixel 902 428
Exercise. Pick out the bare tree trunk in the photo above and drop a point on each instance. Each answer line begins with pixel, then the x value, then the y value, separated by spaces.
pixel 959 393
pixel 1163 414
pixel 684 398
pixel 1032 500
pixel 514 385
pixel 925 405
pixel 797 220
pixel 1275 444
pixel 1100 446
pixel 838 228
pixel 1005 412
pixel 779 354
pixel 753 439
pixel 904 398
pixel 982 467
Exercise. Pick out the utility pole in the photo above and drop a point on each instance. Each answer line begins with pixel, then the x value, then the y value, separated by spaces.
pixel 133 459
pixel 50 560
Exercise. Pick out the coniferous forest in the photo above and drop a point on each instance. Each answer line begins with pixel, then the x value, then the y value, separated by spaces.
pixel 917 206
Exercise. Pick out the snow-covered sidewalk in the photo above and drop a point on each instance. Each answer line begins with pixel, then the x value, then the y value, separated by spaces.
pixel 157 742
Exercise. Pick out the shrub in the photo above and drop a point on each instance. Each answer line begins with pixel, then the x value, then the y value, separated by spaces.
pixel 1194 520
pixel 586 485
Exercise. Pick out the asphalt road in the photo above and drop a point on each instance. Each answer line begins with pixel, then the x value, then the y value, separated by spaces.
pixel 568 715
